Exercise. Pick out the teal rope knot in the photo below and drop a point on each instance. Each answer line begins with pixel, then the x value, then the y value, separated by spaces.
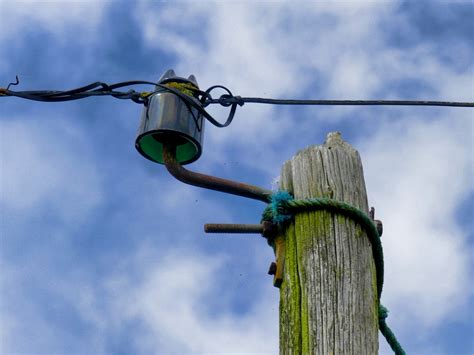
pixel 283 207
pixel 279 213
pixel 387 332
pixel 383 313
pixel 276 211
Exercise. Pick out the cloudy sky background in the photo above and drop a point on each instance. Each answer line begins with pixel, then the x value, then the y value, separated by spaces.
pixel 101 251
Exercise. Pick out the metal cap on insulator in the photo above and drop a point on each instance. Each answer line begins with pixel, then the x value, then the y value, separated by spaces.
pixel 166 118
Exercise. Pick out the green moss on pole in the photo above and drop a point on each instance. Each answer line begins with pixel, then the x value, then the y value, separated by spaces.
pixel 328 299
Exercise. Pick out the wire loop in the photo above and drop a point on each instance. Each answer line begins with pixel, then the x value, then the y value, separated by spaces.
pixel 15 83
pixel 223 101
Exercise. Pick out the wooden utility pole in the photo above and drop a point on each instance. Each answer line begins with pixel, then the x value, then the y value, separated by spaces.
pixel 328 298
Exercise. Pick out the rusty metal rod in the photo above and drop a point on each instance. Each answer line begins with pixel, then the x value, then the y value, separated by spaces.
pixel 211 182
pixel 233 228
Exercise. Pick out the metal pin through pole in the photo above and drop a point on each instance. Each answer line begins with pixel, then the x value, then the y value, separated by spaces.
pixel 233 228
pixel 266 229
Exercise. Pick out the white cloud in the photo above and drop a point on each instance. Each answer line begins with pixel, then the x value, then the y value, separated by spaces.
pixel 60 19
pixel 56 16
pixel 40 169
pixel 269 50
pixel 417 174
pixel 172 298
pixel 231 47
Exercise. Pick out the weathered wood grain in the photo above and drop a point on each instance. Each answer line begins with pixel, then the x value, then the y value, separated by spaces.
pixel 328 299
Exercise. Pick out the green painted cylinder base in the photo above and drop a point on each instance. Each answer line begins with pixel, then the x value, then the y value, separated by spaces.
pixel 167 119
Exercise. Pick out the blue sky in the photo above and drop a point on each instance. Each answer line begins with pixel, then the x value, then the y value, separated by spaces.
pixel 103 252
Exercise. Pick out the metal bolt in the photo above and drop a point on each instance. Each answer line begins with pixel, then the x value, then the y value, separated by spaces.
pixel 233 228
pixel 273 268
pixel 379 226
pixel 377 222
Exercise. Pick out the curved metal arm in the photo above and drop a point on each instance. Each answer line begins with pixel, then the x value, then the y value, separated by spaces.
pixel 211 182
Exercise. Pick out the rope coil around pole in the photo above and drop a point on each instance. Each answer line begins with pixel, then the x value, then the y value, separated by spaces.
pixel 283 207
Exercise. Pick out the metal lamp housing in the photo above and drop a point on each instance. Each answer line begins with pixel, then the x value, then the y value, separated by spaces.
pixel 168 119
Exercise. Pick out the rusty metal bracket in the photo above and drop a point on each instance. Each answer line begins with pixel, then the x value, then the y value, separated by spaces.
pixel 277 239
pixel 280 253
pixel 267 229
pixel 211 182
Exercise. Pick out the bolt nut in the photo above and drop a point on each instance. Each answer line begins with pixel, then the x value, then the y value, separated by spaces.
pixel 273 268
pixel 269 230
pixel 379 226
